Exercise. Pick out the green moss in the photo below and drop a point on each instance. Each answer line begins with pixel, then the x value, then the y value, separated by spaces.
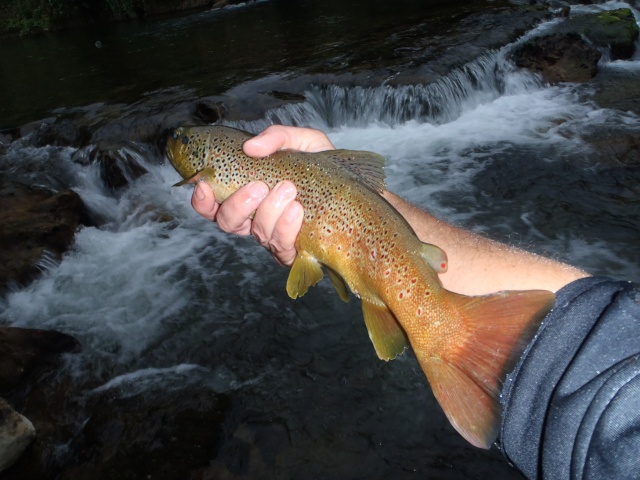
pixel 613 16
pixel 614 29
pixel 25 17
pixel 30 16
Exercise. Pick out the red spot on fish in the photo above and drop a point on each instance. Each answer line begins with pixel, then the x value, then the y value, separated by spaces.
pixel 400 295
pixel 419 312
pixel 413 280
pixel 443 265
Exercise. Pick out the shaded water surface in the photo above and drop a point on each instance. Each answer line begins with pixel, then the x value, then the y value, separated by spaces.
pixel 212 51
pixel 165 304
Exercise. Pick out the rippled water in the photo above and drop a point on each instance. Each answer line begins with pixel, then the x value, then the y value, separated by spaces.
pixel 159 297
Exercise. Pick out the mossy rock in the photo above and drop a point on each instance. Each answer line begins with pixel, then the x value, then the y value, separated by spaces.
pixel 616 29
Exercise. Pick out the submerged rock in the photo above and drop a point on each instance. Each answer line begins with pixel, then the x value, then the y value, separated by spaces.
pixel 25 351
pixel 30 367
pixel 150 435
pixel 37 225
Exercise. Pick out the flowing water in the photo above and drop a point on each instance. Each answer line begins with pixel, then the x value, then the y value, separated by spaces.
pixel 160 298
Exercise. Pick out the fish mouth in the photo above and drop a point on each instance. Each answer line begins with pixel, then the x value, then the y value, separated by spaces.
pixel 171 138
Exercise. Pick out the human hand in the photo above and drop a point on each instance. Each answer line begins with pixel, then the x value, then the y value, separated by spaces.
pixel 278 216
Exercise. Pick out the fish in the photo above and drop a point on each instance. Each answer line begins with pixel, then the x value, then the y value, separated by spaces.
pixel 465 345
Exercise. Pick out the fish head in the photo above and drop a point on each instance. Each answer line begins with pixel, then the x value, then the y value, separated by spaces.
pixel 187 150
pixel 198 153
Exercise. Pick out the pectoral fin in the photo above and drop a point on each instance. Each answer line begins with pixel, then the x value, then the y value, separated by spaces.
pixel 339 284
pixel 204 175
pixel 385 332
pixel 435 257
pixel 305 272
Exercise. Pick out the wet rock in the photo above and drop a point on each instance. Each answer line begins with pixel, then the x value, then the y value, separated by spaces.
pixel 150 435
pixel 27 358
pixel 210 111
pixel 16 433
pixel 6 137
pixel 84 433
pixel 119 164
pixel 613 29
pixel 559 57
pixel 287 96
pixel 56 132
pixel 25 351
pixel 34 380
pixel 571 53
pixel 37 225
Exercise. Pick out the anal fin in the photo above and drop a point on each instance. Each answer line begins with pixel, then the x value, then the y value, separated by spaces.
pixel 388 337
pixel 339 284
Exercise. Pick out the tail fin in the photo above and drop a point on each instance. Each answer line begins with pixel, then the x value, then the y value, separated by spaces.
pixel 467 379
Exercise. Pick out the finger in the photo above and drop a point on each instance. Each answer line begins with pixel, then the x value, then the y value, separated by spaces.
pixel 285 233
pixel 270 210
pixel 234 213
pixel 204 202
pixel 279 137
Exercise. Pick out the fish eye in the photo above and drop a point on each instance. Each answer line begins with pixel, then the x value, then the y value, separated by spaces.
pixel 185 140
pixel 176 134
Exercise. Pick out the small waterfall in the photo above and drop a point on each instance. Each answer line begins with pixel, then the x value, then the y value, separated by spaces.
pixel 329 106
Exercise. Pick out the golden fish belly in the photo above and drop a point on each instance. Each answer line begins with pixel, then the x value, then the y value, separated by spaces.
pixel 378 255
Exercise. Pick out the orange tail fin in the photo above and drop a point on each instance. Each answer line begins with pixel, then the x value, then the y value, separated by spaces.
pixel 467 380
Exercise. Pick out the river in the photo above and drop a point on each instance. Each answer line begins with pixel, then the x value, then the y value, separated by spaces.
pixel 170 305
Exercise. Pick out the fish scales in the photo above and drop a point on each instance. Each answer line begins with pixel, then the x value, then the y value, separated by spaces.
pixel 465 345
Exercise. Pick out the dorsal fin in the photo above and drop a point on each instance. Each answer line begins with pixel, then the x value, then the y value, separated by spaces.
pixel 367 166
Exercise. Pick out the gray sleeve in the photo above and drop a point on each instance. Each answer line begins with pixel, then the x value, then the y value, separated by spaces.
pixel 572 405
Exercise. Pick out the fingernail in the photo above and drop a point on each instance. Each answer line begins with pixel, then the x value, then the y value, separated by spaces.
pixel 258 190
pixel 285 190
pixel 198 193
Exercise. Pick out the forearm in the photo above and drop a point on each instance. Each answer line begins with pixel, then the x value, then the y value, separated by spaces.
pixel 478 265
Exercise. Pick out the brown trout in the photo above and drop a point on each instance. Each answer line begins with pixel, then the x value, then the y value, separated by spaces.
pixel 465 345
